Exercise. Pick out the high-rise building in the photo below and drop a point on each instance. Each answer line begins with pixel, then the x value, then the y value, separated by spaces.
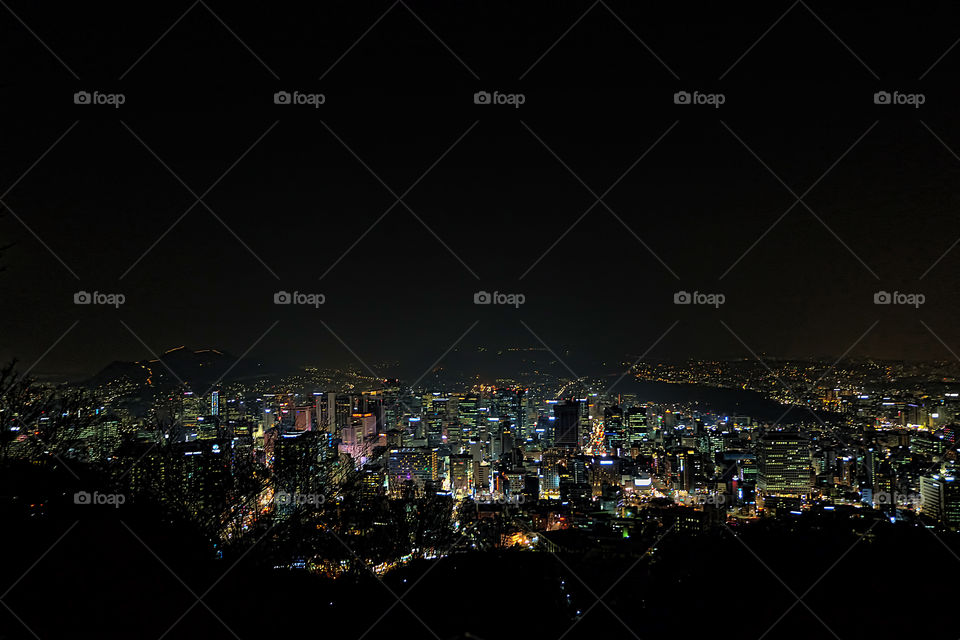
pixel 636 427
pixel 566 424
pixel 467 413
pixel 940 499
pixel 784 464
pixel 416 466
pixel 613 429
pixel 461 474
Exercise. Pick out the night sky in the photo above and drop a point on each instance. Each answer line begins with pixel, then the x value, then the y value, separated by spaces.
pixel 800 99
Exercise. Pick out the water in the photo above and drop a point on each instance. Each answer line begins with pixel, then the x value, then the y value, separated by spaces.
pixel 739 402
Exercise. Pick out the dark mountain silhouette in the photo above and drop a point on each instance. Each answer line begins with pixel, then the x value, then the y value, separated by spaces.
pixel 195 368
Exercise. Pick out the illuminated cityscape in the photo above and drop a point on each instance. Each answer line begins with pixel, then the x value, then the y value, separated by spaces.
pixel 333 473
pixel 476 321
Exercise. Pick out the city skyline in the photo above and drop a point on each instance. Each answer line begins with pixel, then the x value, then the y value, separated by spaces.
pixel 479 320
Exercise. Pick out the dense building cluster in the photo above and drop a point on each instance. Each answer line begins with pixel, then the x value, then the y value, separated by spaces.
pixel 531 460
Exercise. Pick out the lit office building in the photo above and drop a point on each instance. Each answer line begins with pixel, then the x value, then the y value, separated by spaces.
pixel 784 465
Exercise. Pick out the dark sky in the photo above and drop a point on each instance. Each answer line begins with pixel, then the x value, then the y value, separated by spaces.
pixel 800 98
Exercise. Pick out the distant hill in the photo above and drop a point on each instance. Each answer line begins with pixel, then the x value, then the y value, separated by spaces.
pixel 196 368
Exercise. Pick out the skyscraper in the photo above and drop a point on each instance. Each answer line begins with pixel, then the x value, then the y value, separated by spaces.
pixel 783 465
pixel 566 424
